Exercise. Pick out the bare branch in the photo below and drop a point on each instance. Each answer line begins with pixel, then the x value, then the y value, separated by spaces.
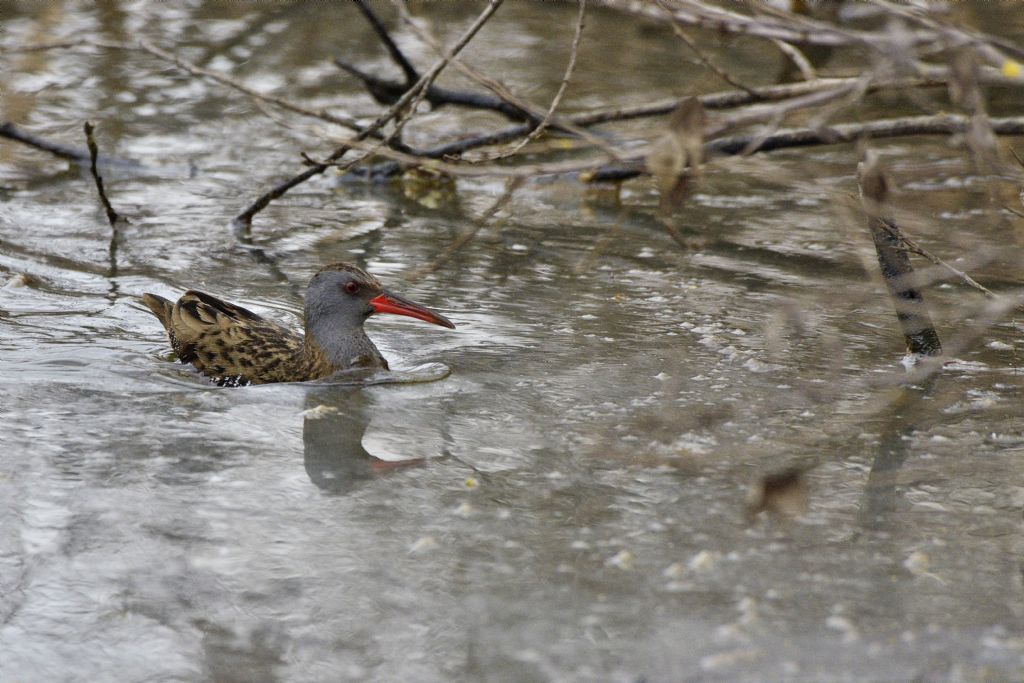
pixel 196 70
pixel 942 124
pixel 397 56
pixel 804 31
pixel 410 99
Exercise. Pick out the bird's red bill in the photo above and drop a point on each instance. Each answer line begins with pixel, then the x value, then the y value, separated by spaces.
pixel 392 303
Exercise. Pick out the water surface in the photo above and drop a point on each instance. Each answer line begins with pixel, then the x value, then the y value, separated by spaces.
pixel 569 503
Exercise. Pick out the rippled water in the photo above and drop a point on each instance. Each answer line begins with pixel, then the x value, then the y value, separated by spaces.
pixel 568 504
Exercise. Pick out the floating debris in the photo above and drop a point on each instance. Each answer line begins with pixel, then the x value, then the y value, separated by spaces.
pixel 318 412
pixel 675 571
pixel 622 560
pixel 747 608
pixel 703 561
pixel 729 659
pixel 782 493
pixel 19 280
pixel 422 545
pixel 843 626
pixel 918 563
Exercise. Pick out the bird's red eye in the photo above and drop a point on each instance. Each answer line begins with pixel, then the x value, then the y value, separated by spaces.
pixel 351 287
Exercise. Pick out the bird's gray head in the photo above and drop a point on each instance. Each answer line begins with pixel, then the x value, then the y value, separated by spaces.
pixel 342 293
pixel 346 296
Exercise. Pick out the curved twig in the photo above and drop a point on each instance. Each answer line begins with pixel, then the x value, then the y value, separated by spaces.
pixel 704 59
pixel 145 46
pixel 539 130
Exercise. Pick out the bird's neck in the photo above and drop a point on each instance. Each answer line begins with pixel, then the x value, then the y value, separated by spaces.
pixel 341 346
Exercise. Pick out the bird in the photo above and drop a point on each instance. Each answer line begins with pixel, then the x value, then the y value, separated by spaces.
pixel 233 346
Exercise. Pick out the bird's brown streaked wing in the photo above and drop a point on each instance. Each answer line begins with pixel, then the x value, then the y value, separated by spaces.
pixel 229 343
pixel 233 311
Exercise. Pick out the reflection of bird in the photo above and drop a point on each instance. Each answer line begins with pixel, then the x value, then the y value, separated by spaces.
pixel 333 427
pixel 234 346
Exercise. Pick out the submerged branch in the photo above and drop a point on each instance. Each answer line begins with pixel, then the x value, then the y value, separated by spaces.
pixel 114 218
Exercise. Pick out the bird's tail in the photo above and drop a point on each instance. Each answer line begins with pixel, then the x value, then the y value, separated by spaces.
pixel 161 308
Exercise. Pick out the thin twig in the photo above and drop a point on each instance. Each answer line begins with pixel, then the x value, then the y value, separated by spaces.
pixel 513 185
pixel 984 44
pixel 944 124
pixel 913 247
pixel 704 59
pixel 722 100
pixel 758 113
pixel 798 58
pixel 802 31
pixel 114 218
pixel 566 77
pixel 529 111
pixel 145 46
pixel 404 108
pixel 502 91
pixel 840 97
pixel 196 70
pixel 734 98
pixel 402 160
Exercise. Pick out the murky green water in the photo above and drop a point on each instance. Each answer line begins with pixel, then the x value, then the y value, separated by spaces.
pixel 568 504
